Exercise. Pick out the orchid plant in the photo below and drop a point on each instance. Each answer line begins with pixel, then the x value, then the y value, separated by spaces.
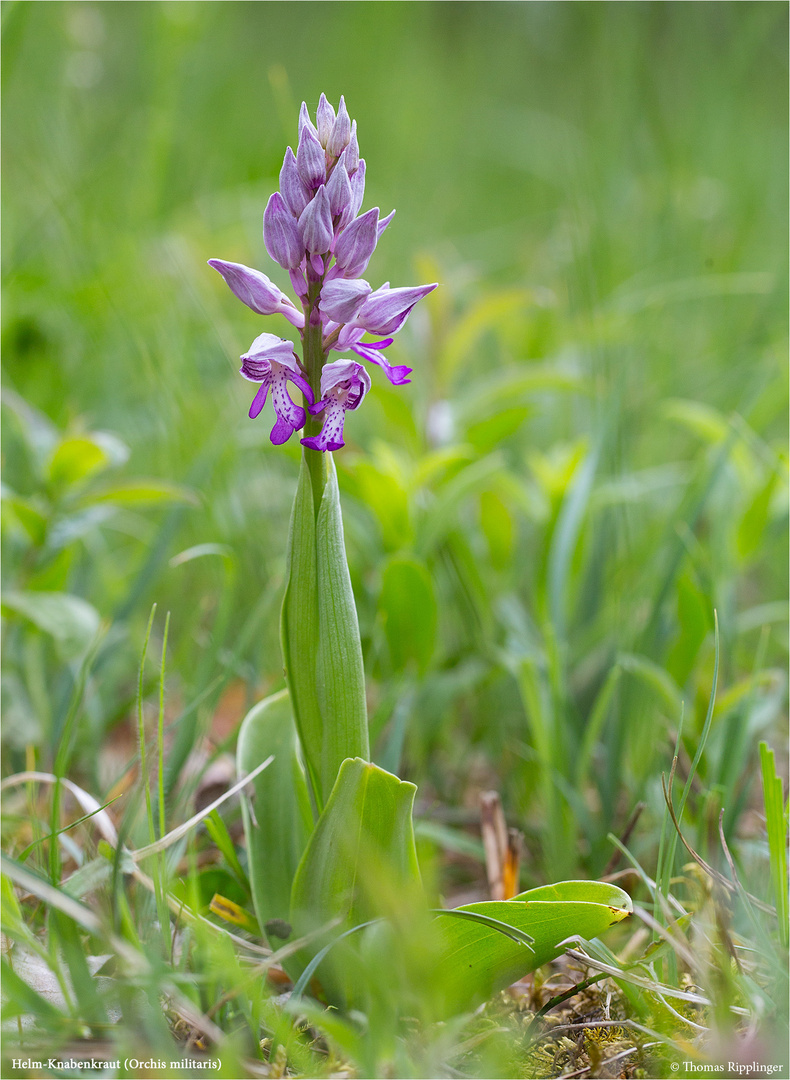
pixel 314 229
pixel 330 838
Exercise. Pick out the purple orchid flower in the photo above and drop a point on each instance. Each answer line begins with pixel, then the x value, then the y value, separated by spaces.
pixel 272 363
pixel 344 384
pixel 314 228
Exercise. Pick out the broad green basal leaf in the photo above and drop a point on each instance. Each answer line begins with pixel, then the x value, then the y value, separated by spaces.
pixel 478 960
pixel 279 821
pixel 360 862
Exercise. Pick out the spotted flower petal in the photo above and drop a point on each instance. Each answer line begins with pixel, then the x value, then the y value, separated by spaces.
pixel 344 384
pixel 272 363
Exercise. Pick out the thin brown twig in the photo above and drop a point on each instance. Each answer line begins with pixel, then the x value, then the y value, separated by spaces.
pixel 712 873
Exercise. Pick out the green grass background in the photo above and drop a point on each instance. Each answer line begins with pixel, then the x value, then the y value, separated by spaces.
pixel 600 188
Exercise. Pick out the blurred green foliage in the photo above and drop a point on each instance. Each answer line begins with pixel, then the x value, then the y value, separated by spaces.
pixel 591 455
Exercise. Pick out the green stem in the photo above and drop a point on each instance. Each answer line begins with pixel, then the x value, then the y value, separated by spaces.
pixel 314 358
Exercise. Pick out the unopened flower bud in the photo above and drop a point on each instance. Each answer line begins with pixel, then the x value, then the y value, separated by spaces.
pixel 251 286
pixel 305 121
pixel 341 131
pixel 310 160
pixel 292 188
pixel 338 188
pixel 281 233
pixel 356 244
pixel 341 299
pixel 357 188
pixel 325 119
pixel 352 151
pixel 315 223
pixel 256 291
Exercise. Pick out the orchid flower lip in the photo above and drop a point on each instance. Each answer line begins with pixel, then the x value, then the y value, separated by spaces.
pixel 344 384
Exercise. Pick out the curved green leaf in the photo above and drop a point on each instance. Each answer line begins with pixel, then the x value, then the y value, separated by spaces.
pixel 360 862
pixel 477 959
pixel 77 457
